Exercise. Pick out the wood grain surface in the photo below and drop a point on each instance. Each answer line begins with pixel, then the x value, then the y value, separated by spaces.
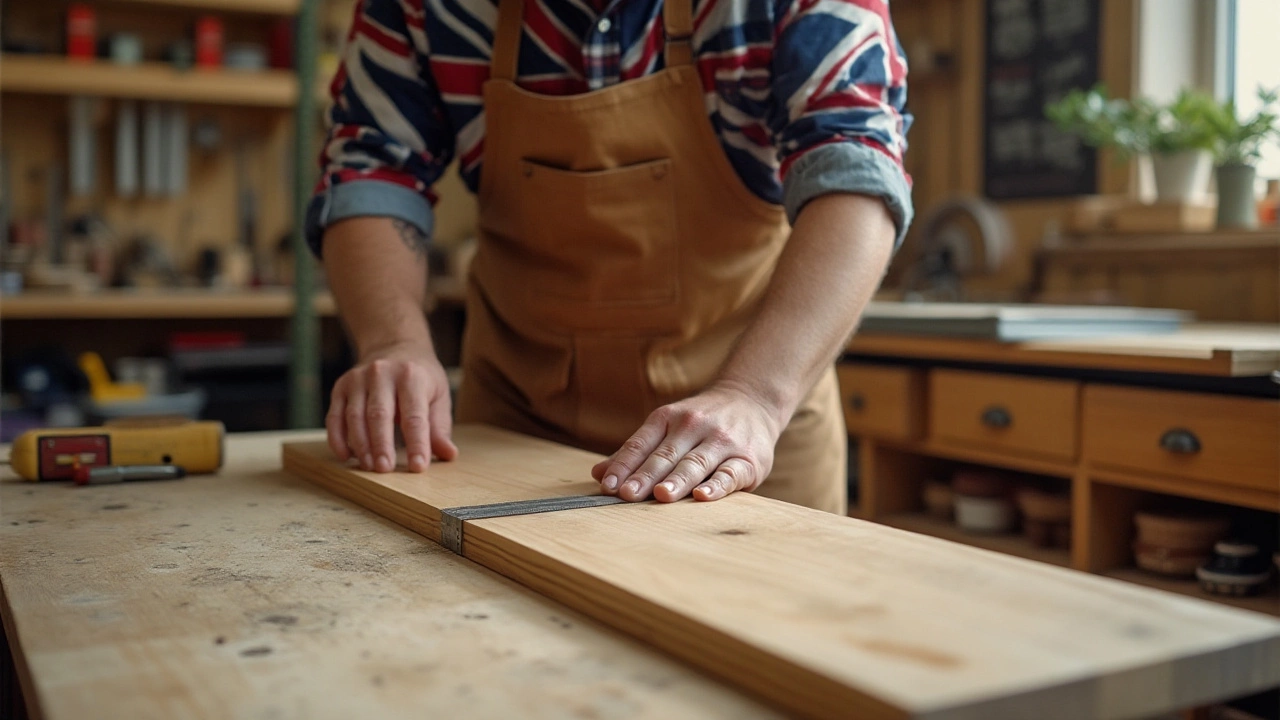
pixel 826 616
pixel 253 594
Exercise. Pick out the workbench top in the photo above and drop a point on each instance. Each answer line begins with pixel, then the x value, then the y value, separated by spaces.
pixel 254 594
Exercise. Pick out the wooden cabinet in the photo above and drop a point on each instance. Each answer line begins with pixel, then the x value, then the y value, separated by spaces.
pixel 1216 439
pixel 1190 421
pixel 1033 416
pixel 882 400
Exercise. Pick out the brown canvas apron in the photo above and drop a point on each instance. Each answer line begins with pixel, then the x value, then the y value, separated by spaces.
pixel 620 256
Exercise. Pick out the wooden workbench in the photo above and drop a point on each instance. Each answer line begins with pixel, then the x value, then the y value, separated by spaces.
pixel 254 594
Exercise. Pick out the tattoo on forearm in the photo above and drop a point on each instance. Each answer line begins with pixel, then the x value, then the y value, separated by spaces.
pixel 413 238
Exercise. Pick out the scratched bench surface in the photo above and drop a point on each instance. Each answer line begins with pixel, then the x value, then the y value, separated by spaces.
pixel 254 594
pixel 827 615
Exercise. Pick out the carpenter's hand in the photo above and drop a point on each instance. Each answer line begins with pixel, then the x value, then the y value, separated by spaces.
pixel 712 444
pixel 398 385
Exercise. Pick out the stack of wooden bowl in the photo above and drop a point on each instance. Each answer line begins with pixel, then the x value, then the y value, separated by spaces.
pixel 984 501
pixel 939 500
pixel 1236 568
pixel 1046 517
pixel 1176 544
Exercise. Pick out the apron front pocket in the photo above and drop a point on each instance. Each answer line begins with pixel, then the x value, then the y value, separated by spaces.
pixel 600 238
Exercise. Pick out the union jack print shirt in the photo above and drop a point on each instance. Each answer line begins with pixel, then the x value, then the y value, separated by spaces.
pixel 807 96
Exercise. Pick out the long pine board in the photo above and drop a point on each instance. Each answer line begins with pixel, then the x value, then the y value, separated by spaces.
pixel 827 616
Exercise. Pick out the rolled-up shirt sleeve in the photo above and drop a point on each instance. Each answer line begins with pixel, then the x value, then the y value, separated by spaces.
pixel 840 120
pixel 388 138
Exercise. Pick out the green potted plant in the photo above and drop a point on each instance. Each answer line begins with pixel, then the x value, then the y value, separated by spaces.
pixel 1176 138
pixel 1239 147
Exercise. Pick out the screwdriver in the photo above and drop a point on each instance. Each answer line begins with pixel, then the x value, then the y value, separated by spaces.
pixel 106 474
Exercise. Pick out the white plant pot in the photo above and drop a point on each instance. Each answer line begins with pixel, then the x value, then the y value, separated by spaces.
pixel 1182 176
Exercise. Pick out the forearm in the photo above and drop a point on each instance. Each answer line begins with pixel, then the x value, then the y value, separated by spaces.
pixel 834 260
pixel 377 269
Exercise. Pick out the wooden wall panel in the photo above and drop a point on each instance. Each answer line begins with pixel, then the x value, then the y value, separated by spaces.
pixel 35 141
pixel 948 109
pixel 1235 279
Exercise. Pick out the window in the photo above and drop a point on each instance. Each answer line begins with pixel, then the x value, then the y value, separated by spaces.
pixel 1253 60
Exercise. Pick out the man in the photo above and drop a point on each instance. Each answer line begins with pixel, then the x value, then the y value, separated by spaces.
pixel 684 208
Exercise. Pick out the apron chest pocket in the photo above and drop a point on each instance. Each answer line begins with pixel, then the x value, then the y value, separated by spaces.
pixel 601 237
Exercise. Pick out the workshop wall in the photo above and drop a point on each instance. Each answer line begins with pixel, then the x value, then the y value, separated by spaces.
pixel 945 44
pixel 233 152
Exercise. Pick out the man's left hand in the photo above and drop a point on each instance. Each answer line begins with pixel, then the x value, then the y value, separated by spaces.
pixel 712 444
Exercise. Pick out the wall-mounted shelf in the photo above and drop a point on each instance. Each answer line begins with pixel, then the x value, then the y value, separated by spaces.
pixel 56 75
pixel 262 7
pixel 137 304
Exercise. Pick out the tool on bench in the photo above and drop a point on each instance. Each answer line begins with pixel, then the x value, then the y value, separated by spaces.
pixel 127 473
pixel 56 454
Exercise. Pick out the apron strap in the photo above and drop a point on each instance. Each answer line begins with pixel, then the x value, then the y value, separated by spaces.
pixel 506 40
pixel 677 20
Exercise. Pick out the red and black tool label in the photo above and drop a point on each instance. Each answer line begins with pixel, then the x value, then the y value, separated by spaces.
pixel 61 455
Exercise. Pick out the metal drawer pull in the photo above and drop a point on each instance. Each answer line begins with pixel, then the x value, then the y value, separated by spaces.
pixel 996 417
pixel 857 402
pixel 1181 441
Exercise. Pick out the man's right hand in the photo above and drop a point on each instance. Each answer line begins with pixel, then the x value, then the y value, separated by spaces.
pixel 404 385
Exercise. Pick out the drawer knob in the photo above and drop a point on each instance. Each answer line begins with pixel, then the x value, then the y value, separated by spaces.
pixel 857 402
pixel 1181 441
pixel 996 417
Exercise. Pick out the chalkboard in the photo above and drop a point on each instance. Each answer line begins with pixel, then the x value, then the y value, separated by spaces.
pixel 1037 51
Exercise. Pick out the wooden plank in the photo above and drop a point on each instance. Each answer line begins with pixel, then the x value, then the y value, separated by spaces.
pixel 1223 350
pixel 183 304
pixel 56 75
pixel 824 615
pixel 253 594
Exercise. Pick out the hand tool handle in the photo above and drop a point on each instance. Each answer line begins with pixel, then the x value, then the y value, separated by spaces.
pixel 127 473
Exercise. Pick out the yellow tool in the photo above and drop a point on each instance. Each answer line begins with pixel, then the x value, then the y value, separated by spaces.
pixel 101 386
pixel 56 454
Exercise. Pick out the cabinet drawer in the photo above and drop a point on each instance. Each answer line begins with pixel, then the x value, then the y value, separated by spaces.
pixel 882 401
pixel 1214 438
pixel 1025 415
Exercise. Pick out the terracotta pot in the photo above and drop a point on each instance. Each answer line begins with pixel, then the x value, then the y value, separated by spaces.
pixel 1177 562
pixel 1045 506
pixel 981 483
pixel 1172 530
pixel 939 499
